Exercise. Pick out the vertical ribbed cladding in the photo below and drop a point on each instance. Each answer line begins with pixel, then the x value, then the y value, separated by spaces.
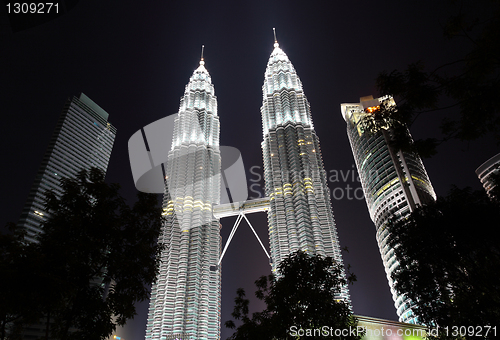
pixel 185 301
pixel 300 215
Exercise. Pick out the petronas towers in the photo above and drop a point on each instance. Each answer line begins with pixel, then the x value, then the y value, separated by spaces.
pixel 185 300
pixel 300 215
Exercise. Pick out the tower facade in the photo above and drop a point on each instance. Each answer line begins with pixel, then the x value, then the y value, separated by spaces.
pixel 83 138
pixel 485 172
pixel 185 300
pixel 394 183
pixel 300 215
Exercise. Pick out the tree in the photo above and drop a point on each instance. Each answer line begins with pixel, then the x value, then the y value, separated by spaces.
pixel 301 297
pixel 449 260
pixel 18 262
pixel 96 257
pixel 468 86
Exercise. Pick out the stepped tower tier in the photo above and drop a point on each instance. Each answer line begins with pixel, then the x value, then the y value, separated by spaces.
pixel 300 215
pixel 185 300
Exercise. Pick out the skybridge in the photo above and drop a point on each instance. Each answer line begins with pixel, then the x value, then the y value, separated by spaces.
pixel 240 209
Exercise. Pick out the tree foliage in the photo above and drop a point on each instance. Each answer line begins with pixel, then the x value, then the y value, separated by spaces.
pixel 95 258
pixel 304 295
pixel 18 262
pixel 449 259
pixel 468 86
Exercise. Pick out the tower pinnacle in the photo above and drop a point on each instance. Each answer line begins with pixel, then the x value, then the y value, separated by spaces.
pixel 275 40
pixel 202 62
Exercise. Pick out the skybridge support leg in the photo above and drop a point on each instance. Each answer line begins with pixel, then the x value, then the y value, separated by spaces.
pixel 240 217
pixel 233 231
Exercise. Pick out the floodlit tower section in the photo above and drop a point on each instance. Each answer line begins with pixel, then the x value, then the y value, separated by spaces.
pixel 300 215
pixel 185 300
pixel 394 182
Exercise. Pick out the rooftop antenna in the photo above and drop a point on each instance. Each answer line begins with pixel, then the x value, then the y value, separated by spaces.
pixel 202 62
pixel 275 40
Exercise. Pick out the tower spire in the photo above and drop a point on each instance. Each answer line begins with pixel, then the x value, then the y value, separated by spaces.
pixel 275 40
pixel 202 62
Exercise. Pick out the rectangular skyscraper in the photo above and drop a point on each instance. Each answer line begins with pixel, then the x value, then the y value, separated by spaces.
pixel 185 300
pixel 300 215
pixel 394 182
pixel 83 138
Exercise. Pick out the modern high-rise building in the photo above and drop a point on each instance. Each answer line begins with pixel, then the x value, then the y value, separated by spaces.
pixel 300 215
pixel 83 138
pixel 484 172
pixel 394 182
pixel 185 300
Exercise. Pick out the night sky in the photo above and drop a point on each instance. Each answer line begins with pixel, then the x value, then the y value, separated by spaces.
pixel 133 58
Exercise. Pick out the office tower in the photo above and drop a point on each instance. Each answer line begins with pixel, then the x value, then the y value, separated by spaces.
pixel 185 300
pixel 83 138
pixel 394 182
pixel 300 215
pixel 484 172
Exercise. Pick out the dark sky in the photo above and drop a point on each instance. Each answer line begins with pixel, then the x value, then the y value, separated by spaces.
pixel 133 58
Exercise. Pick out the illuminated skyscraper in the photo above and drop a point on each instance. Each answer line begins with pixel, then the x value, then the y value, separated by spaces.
pixel 83 138
pixel 185 300
pixel 394 183
pixel 485 172
pixel 300 215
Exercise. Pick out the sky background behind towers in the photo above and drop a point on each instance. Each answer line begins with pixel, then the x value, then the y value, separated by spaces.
pixel 134 58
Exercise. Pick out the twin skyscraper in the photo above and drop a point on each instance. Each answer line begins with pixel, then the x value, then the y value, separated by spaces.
pixel 185 301
pixel 186 298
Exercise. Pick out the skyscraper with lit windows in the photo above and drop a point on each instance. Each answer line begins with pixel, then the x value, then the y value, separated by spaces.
pixel 300 215
pixel 185 300
pixel 83 138
pixel 485 172
pixel 394 182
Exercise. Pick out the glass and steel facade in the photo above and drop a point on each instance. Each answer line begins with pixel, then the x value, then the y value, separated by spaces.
pixel 83 138
pixel 394 182
pixel 300 215
pixel 185 300
pixel 484 172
